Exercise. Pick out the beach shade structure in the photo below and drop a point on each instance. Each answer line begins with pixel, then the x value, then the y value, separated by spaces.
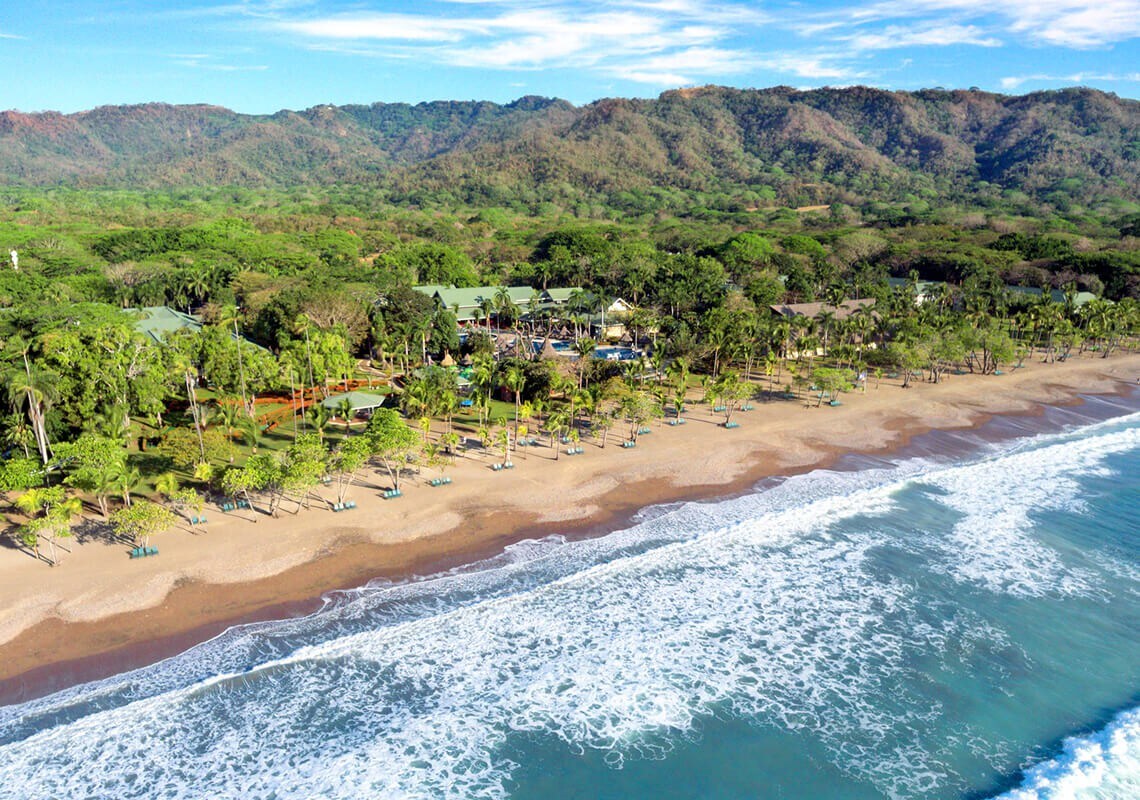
pixel 358 401
pixel 548 350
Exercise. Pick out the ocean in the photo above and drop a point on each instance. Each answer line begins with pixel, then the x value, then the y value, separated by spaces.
pixel 959 620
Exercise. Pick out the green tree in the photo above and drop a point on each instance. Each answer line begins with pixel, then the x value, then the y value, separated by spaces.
pixel 141 520
pixel 731 390
pixel 50 512
pixel 95 465
pixel 392 442
pixel 347 460
pixel 514 378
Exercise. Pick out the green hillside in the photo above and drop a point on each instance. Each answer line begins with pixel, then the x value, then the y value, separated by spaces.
pixel 728 147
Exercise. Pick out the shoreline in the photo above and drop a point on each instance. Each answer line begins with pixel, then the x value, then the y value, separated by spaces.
pixel 50 646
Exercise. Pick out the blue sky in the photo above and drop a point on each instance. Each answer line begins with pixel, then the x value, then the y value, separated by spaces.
pixel 259 56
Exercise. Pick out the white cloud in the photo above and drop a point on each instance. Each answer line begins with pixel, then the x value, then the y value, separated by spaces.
pixel 380 26
pixel 1016 81
pixel 698 64
pixel 672 42
pixel 930 35
pixel 528 35
pixel 207 62
pixel 1066 23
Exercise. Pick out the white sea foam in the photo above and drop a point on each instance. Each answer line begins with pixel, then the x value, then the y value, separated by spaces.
pixel 994 545
pixel 1101 766
pixel 768 607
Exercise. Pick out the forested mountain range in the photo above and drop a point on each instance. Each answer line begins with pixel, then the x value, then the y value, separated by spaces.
pixel 744 148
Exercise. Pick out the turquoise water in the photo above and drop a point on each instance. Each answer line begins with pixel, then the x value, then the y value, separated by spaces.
pixel 958 622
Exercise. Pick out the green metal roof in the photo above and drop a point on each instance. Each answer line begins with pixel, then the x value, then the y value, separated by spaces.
pixel 561 295
pixel 462 299
pixel 1057 295
pixel 431 289
pixel 158 321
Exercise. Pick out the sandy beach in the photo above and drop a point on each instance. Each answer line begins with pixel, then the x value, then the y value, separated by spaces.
pixel 100 612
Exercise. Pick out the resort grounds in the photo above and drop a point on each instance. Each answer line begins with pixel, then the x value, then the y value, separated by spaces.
pixel 101 612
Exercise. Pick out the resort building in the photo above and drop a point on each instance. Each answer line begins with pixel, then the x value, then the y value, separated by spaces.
pixel 842 311
pixel 469 305
pixel 158 322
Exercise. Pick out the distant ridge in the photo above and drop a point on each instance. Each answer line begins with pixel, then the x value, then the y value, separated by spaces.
pixel 818 146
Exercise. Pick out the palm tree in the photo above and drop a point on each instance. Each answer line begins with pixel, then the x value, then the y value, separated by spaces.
pixel 446 404
pixel 344 409
pixel 505 306
pixel 230 315
pixel 557 422
pixel 189 372
pixel 227 412
pixel 600 302
pixel 37 389
pixel 515 381
pixel 483 372
pixel 486 307
pixel 657 361
pixel 196 283
pixel 680 394
pixel 302 324
pixel 320 416
pixel 128 479
pixel 166 484
pixel 17 433
pixel 503 437
pixel 584 348
pixel 418 398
